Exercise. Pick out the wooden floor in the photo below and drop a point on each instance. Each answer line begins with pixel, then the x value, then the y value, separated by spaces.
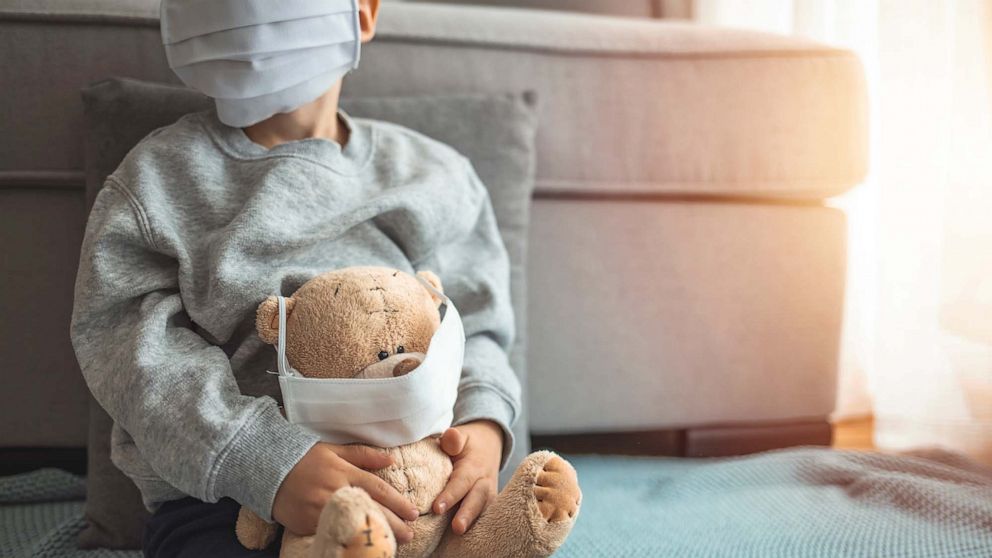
pixel 854 434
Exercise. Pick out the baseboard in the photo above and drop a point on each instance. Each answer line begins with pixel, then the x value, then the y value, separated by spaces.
pixel 713 441
pixel 642 442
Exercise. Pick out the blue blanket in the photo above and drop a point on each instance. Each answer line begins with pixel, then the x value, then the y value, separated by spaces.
pixel 805 502
pixel 797 503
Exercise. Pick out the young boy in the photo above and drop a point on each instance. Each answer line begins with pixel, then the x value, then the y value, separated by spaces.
pixel 208 216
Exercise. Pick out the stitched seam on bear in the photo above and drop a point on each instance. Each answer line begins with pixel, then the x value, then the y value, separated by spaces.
pixel 389 315
pixel 406 472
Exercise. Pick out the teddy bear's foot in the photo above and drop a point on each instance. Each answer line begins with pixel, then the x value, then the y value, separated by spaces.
pixel 352 526
pixel 557 490
pixel 555 500
pixel 531 517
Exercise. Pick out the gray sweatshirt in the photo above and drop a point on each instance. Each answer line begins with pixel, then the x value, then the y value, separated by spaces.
pixel 199 224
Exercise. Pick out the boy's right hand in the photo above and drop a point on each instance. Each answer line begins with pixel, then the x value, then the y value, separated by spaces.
pixel 326 468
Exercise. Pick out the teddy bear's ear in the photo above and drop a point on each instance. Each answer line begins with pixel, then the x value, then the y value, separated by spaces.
pixel 267 318
pixel 433 281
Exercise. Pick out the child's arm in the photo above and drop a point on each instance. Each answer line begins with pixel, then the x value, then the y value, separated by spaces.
pixel 475 271
pixel 170 389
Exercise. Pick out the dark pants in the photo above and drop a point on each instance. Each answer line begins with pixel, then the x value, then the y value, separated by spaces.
pixel 189 528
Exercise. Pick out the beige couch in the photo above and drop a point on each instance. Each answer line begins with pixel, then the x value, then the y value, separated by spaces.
pixel 686 279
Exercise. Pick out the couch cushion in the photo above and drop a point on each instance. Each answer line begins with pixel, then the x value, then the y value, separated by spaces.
pixel 725 313
pixel 640 107
pixel 496 132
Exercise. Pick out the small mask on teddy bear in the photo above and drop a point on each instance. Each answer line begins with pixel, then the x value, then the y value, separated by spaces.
pixel 376 324
pixel 419 397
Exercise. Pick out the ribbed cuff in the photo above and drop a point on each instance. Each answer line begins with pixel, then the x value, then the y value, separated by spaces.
pixel 485 403
pixel 257 460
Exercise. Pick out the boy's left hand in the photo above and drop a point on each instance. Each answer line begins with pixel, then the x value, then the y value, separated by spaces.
pixel 476 449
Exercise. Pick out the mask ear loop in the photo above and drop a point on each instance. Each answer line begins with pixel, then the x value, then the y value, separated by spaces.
pixel 282 363
pixel 444 298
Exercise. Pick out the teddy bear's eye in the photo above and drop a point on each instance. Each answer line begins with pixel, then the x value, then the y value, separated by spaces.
pixel 383 355
pixel 400 349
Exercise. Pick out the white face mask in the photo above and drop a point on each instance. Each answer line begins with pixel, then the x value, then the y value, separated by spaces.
pixel 257 58
pixel 384 412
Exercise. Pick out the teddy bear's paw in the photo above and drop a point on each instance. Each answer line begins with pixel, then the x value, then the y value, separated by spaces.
pixel 252 532
pixel 556 488
pixel 373 540
pixel 352 526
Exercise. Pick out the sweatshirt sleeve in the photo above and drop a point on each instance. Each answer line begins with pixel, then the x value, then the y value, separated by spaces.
pixel 168 388
pixel 475 272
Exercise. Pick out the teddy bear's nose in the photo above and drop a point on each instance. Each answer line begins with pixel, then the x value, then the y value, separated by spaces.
pixel 405 366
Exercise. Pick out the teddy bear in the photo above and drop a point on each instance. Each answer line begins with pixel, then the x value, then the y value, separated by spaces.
pixel 337 325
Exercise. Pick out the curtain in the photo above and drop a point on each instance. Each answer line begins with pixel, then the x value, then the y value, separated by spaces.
pixel 917 344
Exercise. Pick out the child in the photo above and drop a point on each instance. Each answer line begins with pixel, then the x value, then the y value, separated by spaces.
pixel 208 216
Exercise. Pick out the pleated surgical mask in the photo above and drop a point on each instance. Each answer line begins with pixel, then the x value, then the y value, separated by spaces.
pixel 257 58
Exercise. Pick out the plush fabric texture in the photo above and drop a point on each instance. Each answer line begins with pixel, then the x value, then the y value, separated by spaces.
pixel 354 312
pixel 351 525
pixel 419 473
pixel 531 516
pixel 121 112
pixel 341 531
pixel 545 485
pixel 375 310
pixel 253 532
pixel 332 333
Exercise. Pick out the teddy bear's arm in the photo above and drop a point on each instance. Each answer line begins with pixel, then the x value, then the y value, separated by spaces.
pixel 254 532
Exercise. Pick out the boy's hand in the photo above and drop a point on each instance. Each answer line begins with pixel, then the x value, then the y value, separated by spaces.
pixel 476 449
pixel 326 468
